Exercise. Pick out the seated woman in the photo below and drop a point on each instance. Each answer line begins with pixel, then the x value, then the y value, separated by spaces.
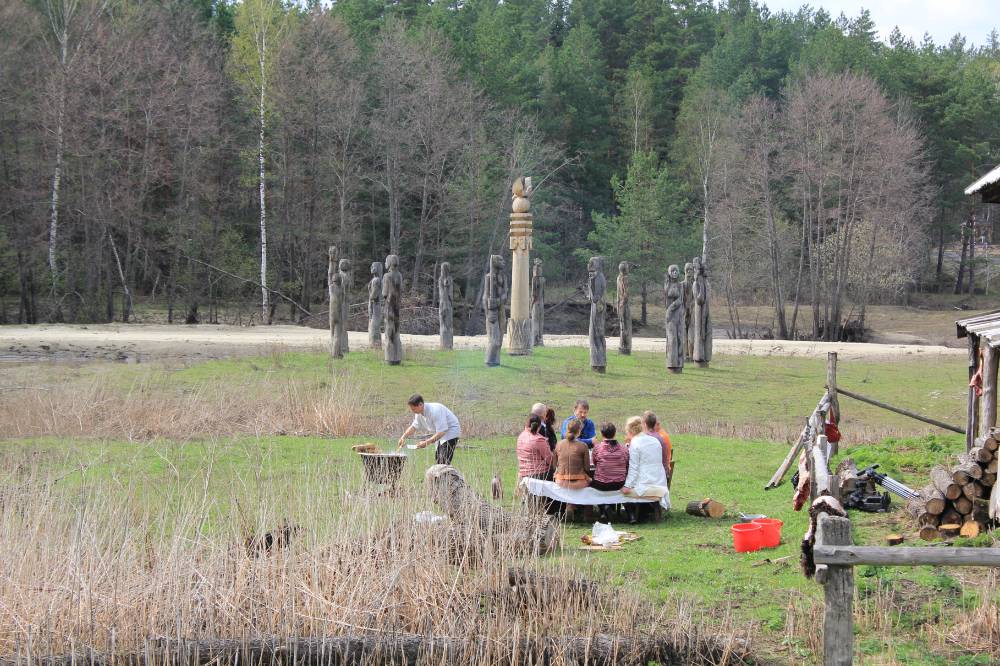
pixel 572 458
pixel 646 476
pixel 549 421
pixel 610 466
pixel 534 457
pixel 610 461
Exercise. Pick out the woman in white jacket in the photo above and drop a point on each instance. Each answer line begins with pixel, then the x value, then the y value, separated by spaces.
pixel 646 477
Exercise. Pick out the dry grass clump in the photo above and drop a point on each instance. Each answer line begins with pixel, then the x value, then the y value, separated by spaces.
pixel 978 630
pixel 107 567
pixel 148 409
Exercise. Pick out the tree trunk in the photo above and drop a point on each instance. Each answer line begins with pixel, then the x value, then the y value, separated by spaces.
pixel 961 264
pixel 57 172
pixel 644 295
pixel 940 257
pixel 265 308
pixel 972 260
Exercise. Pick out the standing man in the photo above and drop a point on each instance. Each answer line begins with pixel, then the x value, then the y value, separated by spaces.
pixel 434 418
pixel 580 411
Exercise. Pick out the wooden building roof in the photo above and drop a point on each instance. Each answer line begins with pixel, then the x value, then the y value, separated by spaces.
pixel 986 327
pixel 988 186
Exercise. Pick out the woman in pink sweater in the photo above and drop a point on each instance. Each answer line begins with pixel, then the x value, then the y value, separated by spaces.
pixel 534 457
pixel 610 466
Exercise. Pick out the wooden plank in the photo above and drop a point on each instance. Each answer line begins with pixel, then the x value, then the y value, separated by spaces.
pixel 793 453
pixel 989 397
pixel 906 557
pixel 820 468
pixel 838 614
pixel 831 389
pixel 972 408
pixel 900 410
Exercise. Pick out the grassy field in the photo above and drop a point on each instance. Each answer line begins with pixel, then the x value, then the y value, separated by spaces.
pixel 275 430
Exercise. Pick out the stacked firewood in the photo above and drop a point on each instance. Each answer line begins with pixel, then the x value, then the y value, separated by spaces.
pixel 956 502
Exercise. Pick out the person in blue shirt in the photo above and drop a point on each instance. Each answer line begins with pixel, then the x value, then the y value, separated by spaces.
pixel 580 411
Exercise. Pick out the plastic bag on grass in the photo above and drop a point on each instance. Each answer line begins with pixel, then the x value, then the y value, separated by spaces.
pixel 603 534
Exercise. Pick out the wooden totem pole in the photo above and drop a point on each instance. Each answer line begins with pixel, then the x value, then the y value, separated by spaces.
pixel 520 334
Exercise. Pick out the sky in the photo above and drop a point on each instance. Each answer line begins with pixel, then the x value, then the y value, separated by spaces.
pixel 941 18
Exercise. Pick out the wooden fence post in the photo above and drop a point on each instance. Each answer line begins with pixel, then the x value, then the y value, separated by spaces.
pixel 838 618
pixel 972 417
pixel 831 388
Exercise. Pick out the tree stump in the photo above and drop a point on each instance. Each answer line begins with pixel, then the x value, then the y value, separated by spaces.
pixel 949 530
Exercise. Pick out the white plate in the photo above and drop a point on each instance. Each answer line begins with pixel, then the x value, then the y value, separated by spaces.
pixel 412 446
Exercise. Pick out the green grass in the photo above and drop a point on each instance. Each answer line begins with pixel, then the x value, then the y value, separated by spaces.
pixel 739 395
pixel 751 397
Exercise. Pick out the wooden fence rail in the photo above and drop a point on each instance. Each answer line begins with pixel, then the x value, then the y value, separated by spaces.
pixel 906 557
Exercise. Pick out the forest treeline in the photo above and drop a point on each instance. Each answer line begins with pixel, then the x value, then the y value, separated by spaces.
pixel 195 153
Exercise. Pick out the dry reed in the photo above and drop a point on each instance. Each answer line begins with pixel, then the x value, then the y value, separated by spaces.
pixel 121 564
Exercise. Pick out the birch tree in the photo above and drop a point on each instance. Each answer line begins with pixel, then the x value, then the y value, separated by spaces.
pixel 701 129
pixel 260 25
pixel 69 22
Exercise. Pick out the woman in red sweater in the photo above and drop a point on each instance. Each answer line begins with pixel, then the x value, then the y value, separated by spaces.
pixel 534 457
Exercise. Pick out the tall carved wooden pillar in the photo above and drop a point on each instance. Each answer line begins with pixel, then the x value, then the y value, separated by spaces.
pixel 519 340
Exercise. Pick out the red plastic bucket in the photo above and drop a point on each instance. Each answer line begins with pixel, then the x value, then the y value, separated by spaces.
pixel 771 531
pixel 747 537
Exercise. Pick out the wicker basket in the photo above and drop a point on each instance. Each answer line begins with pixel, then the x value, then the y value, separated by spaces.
pixel 383 468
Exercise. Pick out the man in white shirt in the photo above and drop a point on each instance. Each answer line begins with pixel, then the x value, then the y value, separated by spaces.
pixel 440 422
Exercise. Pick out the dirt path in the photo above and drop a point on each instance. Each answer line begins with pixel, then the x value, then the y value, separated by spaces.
pixel 141 342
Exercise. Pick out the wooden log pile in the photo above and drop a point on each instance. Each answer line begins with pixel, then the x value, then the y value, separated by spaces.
pixel 956 502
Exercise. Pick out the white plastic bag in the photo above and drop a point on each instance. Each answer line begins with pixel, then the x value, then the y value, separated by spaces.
pixel 426 517
pixel 604 535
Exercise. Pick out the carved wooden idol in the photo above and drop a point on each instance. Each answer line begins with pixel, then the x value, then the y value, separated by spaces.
pixel 675 319
pixel 392 295
pixel 375 306
pixel 493 303
pixel 595 288
pixel 688 287
pixel 345 304
pixel 624 311
pixel 702 318
pixel 335 283
pixel 446 298
pixel 537 304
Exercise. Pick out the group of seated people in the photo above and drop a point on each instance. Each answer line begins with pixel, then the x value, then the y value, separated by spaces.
pixel 639 466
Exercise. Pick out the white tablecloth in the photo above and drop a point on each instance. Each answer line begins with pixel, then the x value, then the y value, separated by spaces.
pixel 584 496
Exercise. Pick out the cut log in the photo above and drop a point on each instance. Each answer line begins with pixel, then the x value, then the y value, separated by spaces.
pixel 393 647
pixel 933 500
pixel 991 443
pixel 971 528
pixel 972 490
pixel 706 508
pixel 963 505
pixel 942 480
pixel 950 516
pixel 979 454
pixel 928 533
pixel 894 539
pixel 992 466
pixel 948 530
pixel 916 508
pixel 966 470
pixel 989 479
